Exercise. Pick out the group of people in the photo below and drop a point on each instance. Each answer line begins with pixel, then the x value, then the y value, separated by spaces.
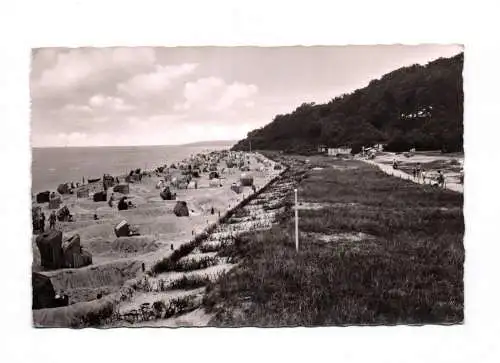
pixel 123 204
pixel 418 174
pixel 52 221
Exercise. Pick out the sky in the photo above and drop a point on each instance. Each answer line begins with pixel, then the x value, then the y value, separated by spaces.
pixel 177 95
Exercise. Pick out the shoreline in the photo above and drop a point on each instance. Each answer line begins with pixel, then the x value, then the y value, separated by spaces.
pixel 117 171
pixel 66 277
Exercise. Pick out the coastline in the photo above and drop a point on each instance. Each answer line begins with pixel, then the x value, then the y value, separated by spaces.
pixel 83 283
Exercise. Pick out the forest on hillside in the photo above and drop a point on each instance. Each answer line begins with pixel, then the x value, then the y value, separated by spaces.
pixel 419 106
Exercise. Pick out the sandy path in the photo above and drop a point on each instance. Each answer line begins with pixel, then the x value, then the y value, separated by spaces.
pixel 386 168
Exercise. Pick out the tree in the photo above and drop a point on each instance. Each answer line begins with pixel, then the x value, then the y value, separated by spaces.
pixel 390 110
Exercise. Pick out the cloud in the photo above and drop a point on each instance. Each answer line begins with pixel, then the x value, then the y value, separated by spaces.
pixel 215 94
pixel 100 101
pixel 57 72
pixel 76 108
pixel 154 83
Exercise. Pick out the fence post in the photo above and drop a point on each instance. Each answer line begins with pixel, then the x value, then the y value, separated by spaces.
pixel 296 222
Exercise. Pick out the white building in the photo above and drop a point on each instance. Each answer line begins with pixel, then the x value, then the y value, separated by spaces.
pixel 343 150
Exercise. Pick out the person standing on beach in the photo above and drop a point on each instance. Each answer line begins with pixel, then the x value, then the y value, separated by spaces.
pixel 52 220
pixel 111 200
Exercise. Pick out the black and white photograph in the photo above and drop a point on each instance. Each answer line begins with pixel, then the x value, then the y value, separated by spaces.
pixel 247 186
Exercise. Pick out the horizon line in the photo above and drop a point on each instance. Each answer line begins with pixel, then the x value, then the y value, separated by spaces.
pixel 184 144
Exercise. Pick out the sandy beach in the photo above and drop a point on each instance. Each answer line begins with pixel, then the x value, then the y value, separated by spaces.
pixel 117 260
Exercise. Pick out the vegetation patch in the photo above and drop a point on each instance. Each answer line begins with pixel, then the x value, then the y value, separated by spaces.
pixel 410 272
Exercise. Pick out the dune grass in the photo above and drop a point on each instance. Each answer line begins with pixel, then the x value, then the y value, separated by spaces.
pixel 409 272
pixel 190 282
pixel 171 263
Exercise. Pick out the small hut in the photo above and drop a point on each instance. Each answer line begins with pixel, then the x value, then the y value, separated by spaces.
pixel 166 194
pixel 122 204
pixel 100 196
pixel 55 202
pixel 44 295
pixel 181 209
pixel 121 188
pixel 64 215
pixel 82 193
pixel 74 256
pixel 246 180
pixel 122 229
pixel 43 197
pixel 63 188
pixel 49 245
pixel 237 188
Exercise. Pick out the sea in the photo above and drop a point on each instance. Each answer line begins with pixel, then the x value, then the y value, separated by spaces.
pixel 53 166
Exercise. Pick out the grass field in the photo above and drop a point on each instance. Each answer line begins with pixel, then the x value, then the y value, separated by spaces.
pixel 408 269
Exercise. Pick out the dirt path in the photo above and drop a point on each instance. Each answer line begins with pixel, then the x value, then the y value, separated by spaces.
pixel 386 168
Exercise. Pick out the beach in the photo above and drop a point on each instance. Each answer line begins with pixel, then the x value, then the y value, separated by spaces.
pixel 118 260
pixel 51 166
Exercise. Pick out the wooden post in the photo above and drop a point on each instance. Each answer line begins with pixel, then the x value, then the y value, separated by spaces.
pixel 296 222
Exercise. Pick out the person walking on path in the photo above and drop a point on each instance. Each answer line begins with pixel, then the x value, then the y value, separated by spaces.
pixel 52 220
pixel 394 164
pixel 419 171
pixel 440 179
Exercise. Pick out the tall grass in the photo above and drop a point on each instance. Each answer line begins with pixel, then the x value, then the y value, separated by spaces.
pixel 170 263
pixel 161 310
pixel 195 264
pixel 410 272
pixel 190 282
